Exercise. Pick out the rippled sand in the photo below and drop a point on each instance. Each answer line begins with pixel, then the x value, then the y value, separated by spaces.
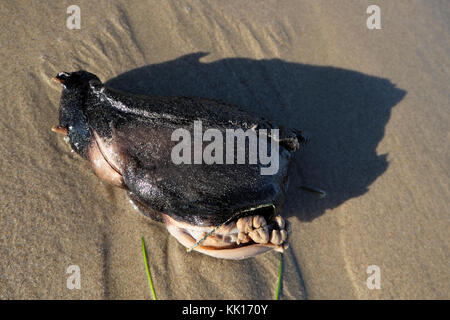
pixel 374 103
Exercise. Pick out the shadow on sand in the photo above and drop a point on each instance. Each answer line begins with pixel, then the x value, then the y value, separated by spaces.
pixel 343 113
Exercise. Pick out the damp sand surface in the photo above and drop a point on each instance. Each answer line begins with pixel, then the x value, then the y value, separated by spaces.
pixel 373 102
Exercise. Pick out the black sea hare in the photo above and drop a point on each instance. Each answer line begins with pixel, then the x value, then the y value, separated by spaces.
pixel 227 211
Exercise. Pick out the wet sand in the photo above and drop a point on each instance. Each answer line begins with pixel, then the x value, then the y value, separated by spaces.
pixel 373 102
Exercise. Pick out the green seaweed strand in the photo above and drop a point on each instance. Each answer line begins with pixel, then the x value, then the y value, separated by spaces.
pixel 149 277
pixel 277 292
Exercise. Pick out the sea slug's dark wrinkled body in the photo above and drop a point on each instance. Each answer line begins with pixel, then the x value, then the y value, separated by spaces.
pixel 127 140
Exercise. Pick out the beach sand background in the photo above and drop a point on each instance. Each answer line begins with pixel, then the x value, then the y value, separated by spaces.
pixel 375 104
